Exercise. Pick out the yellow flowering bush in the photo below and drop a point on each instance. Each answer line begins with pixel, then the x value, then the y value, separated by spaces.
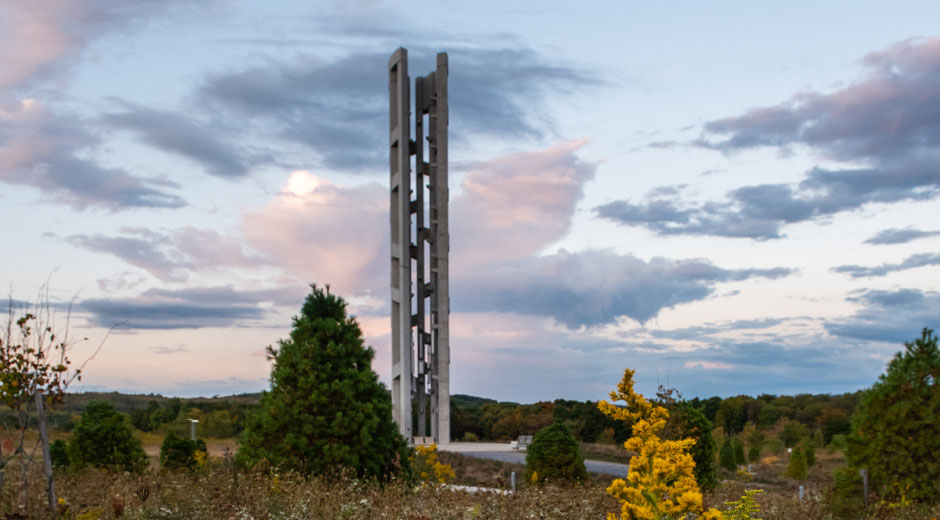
pixel 429 469
pixel 744 508
pixel 200 458
pixel 660 484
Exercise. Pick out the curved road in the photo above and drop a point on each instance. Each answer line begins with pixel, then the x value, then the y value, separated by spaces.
pixel 503 453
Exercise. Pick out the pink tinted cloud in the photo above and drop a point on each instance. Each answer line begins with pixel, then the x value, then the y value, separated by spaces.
pixel 326 234
pixel 33 35
pixel 39 38
pixel 515 206
pixel 27 141
pixel 510 207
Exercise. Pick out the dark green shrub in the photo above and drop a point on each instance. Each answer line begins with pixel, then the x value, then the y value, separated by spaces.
pixel 726 456
pixel 178 452
pixel 737 447
pixel 792 433
pixel 845 496
pixel 692 423
pixel 753 454
pixel 796 468
pixel 896 431
pixel 326 408
pixel 58 452
pixel 140 418
pixel 809 453
pixel 554 455
pixel 102 439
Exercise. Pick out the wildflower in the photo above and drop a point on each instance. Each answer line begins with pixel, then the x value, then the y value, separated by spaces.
pixel 660 483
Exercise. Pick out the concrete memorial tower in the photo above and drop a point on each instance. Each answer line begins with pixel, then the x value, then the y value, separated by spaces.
pixel 420 245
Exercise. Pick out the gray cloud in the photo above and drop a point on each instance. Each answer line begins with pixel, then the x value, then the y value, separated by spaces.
pixel 171 256
pixel 49 152
pixel 594 287
pixel 899 236
pixel 189 308
pixel 131 314
pixel 705 331
pixel 292 296
pixel 890 316
pixel 186 136
pixel 338 107
pixel 888 121
pixel 911 262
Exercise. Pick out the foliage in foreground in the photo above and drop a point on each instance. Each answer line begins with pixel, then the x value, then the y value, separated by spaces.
pixel 326 408
pixel 660 484
pixel 103 439
pixel 742 509
pixel 554 456
pixel 180 453
pixel 896 430
pixel 428 468
pixel 223 492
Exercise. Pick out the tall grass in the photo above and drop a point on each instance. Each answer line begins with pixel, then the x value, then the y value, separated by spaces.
pixel 223 492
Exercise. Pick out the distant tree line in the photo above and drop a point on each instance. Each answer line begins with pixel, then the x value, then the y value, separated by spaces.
pixel 490 420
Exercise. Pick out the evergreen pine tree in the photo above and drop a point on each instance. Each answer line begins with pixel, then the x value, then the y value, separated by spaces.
pixel 809 453
pixel 554 455
pixel 726 456
pixel 796 468
pixel 102 439
pixel 753 453
pixel 692 423
pixel 326 408
pixel 58 452
pixel 737 446
pixel 178 452
pixel 895 431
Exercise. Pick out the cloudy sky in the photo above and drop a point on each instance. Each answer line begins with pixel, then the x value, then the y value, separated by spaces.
pixel 738 198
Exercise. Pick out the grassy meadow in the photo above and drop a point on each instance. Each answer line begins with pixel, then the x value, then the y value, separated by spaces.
pixel 221 491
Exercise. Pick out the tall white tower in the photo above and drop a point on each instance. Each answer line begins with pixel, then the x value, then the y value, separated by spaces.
pixel 420 248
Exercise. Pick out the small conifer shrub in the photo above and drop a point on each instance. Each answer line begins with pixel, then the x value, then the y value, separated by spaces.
pixel 103 439
pixel 58 452
pixel 726 456
pixel 554 455
pixel 796 468
pixel 753 454
pixel 178 453
pixel 326 408
pixel 809 453
pixel 738 447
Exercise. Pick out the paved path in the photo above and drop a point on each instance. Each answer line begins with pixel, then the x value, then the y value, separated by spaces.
pixel 502 452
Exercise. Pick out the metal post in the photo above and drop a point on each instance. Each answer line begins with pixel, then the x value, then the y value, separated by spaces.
pixel 512 481
pixel 801 493
pixel 864 474
pixel 192 429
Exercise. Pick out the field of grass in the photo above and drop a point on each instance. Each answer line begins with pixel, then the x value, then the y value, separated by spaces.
pixel 220 491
